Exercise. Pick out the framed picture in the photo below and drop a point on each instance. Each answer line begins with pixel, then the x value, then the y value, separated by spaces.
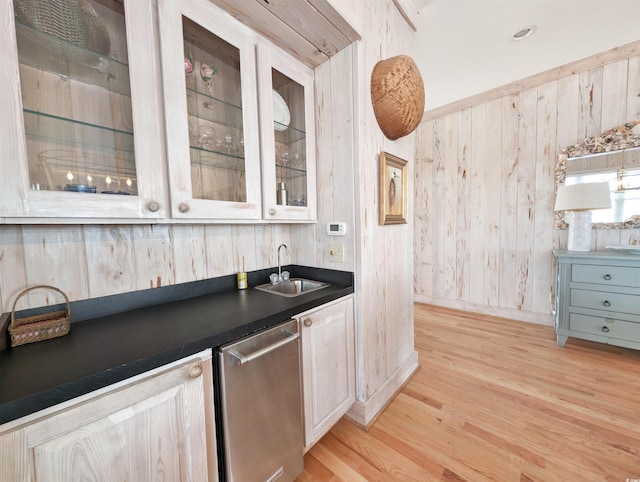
pixel 394 184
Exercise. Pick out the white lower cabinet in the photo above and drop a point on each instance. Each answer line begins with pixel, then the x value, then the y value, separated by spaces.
pixel 328 366
pixel 155 426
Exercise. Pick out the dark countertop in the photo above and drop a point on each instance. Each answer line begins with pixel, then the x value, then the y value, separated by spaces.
pixel 110 347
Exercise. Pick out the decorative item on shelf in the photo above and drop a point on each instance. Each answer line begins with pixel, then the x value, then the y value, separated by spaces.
pixel 206 74
pixel 282 194
pixel 393 189
pixel 39 327
pixel 188 63
pixel 206 71
pixel 75 21
pixel 115 191
pixel 79 188
pixel 397 95
pixel 108 182
pixel 577 200
pixel 281 114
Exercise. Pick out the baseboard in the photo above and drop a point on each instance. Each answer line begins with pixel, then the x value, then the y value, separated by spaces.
pixel 526 316
pixel 365 413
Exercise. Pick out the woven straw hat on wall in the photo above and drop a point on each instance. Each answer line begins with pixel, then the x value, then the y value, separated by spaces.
pixel 397 94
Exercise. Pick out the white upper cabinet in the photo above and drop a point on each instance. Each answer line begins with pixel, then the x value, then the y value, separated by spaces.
pixel 80 120
pixel 287 115
pixel 211 112
pixel 151 111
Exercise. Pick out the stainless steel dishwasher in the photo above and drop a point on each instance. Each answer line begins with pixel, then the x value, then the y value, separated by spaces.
pixel 261 405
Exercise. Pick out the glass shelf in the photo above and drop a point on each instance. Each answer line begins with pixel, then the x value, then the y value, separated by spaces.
pixel 212 158
pixel 289 172
pixel 212 109
pixel 288 135
pixel 52 54
pixel 60 130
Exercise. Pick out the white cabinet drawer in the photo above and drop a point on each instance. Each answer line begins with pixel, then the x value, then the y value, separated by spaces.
pixel 606 275
pixel 602 300
pixel 595 325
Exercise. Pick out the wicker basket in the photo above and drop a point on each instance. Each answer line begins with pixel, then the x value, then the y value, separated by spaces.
pixel 39 327
pixel 397 95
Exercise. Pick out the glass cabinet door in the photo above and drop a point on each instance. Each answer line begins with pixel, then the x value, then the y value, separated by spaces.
pixel 287 110
pixel 74 142
pixel 211 112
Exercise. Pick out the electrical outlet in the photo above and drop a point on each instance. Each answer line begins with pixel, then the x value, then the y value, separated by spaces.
pixel 336 253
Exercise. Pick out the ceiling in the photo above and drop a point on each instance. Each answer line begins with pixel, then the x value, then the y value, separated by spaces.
pixel 465 47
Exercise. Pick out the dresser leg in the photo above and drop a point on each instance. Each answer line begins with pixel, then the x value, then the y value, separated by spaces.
pixel 561 339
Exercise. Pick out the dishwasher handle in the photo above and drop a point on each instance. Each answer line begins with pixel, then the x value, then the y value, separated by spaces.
pixel 244 359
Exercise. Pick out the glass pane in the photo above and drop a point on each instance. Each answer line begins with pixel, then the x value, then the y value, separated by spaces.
pixel 214 106
pixel 290 136
pixel 76 97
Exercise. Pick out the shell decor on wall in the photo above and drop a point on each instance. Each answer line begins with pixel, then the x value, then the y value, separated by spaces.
pixel 397 95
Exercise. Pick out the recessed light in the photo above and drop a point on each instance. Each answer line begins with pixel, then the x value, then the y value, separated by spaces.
pixel 524 33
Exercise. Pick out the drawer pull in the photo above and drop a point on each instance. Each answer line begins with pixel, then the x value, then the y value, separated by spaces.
pixel 606 303
pixel 605 329
pixel 607 277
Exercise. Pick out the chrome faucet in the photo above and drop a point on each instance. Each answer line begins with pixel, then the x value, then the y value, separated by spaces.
pixel 286 250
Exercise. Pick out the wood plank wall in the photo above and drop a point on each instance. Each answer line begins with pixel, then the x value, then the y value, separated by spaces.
pixel 91 261
pixel 384 309
pixel 484 184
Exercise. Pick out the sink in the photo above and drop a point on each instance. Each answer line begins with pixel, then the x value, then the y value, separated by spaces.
pixel 293 287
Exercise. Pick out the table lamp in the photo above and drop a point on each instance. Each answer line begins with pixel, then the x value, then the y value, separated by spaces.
pixel 577 200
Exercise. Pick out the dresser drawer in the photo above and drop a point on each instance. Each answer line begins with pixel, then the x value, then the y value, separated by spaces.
pixel 606 275
pixel 602 300
pixel 595 325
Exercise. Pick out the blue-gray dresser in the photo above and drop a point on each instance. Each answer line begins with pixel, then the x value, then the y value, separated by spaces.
pixel 598 297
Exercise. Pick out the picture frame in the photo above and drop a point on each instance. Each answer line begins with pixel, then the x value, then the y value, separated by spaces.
pixel 394 184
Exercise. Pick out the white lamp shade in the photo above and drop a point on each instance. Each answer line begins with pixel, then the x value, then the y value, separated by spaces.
pixel 583 197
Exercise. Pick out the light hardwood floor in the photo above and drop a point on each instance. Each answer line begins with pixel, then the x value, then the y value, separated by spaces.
pixel 496 399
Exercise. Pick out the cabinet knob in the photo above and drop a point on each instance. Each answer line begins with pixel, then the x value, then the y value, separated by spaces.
pixel 183 207
pixel 153 206
pixel 307 322
pixel 606 303
pixel 195 371
pixel 607 277
pixel 605 329
pixel 272 212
